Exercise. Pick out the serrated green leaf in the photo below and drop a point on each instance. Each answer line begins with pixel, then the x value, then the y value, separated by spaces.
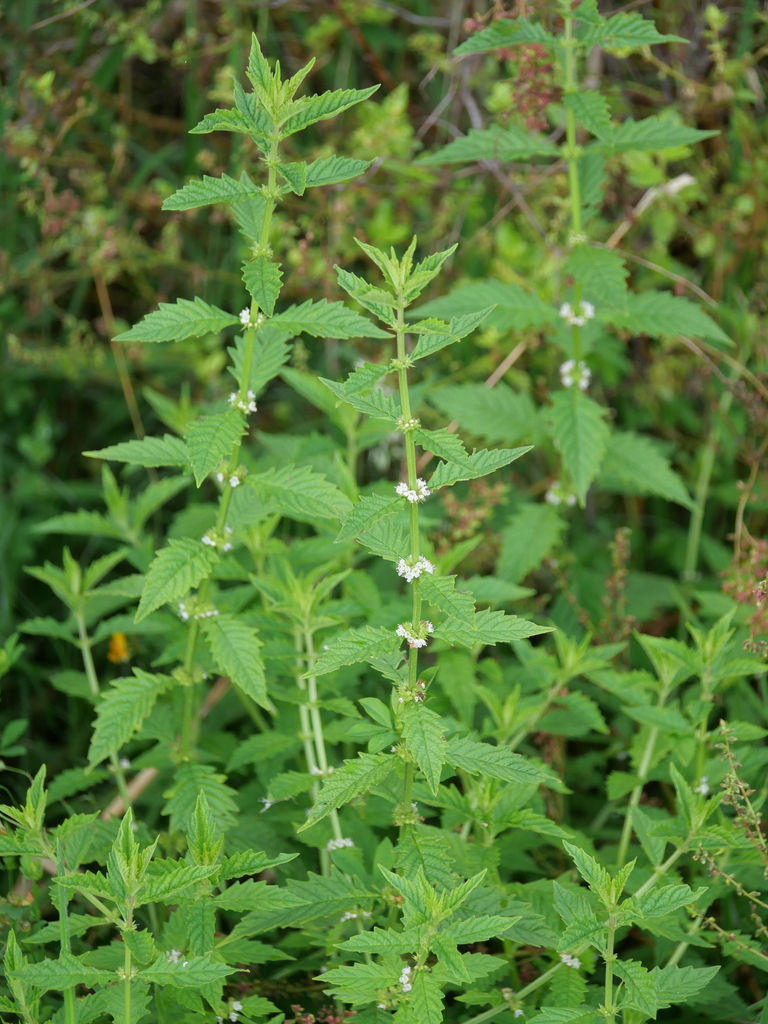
pixel 354 646
pixel 368 511
pixel 150 451
pixel 300 493
pixel 493 143
pixel 176 321
pixel 679 984
pixel 580 434
pixel 459 327
pixel 425 850
pixel 654 133
pixel 263 279
pixel 189 781
pixel 192 973
pixel 236 652
pixel 491 627
pixel 327 320
pixel 662 900
pixel 123 707
pixel 295 174
pixel 594 874
pixel 496 414
pixel 639 986
pixel 60 974
pixel 478 464
pixel 633 464
pixel 503 33
pixel 527 540
pixel 332 169
pixel 495 762
pixel 445 445
pixel 360 983
pixel 387 539
pixel 591 108
pixel 163 887
pixel 601 272
pixel 376 300
pixel 319 108
pixel 82 523
pixel 202 192
pixel 356 776
pixel 376 403
pixel 270 353
pixel 249 120
pixel 624 31
pixel 174 571
pixel 382 940
pixel 513 307
pixel 660 314
pixel 441 592
pixel 210 439
pixel 423 734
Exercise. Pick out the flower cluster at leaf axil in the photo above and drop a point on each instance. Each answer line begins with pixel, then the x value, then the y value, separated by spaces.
pixel 247 404
pixel 577 317
pixel 418 493
pixel 570 960
pixel 212 539
pixel 572 373
pixel 234 1013
pixel 415 637
pixel 411 569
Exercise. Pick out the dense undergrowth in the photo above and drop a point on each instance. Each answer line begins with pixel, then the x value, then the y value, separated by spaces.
pixel 382 487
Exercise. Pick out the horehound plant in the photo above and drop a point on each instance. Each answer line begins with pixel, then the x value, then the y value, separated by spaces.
pixel 415 915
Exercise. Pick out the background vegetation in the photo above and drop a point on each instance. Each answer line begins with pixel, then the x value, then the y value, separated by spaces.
pixel 97 102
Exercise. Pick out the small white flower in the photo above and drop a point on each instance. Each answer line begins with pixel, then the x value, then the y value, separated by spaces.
pixel 125 762
pixel 430 628
pixel 585 312
pixel 556 496
pixel 570 961
pixel 703 786
pixel 209 540
pixel 234 481
pixel 220 477
pixel 507 993
pixel 348 916
pixel 219 1020
pixel 245 317
pixel 237 1006
pixel 571 374
pixel 518 1012
pixel 173 956
pixel 383 1006
pixel 233 1016
pixel 247 404
pixel 267 802
pixel 183 613
pixel 412 572
pixel 338 844
pixel 419 493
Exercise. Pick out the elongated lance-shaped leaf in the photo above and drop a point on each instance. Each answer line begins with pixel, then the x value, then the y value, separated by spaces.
pixel 263 279
pixel 325 319
pixel 580 434
pixel 423 734
pixel 601 273
pixel 654 133
pixel 494 143
pixel 478 464
pixel 496 762
pixel 175 321
pixel 357 776
pixel 300 493
pixel 459 327
pixel 591 108
pixel 122 709
pixel 174 571
pixel 368 511
pixel 441 592
pixel 490 627
pixel 204 191
pixel 150 451
pixel 236 651
pixel 446 445
pixel 319 108
pixel 191 974
pixel 376 403
pixel 271 352
pixel 356 645
pixel 634 464
pixel 211 438
pixel 662 315
pixel 504 33
pixel 333 169
pixel 624 30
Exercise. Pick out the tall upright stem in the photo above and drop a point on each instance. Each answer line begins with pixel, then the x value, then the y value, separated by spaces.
pixel 70 1008
pixel 127 967
pixel 610 1013
pixel 317 724
pixel 189 718
pixel 572 155
pixel 413 515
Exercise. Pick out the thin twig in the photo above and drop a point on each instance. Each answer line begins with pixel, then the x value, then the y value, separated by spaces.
pixel 678 278
pixel 60 17
pixel 123 372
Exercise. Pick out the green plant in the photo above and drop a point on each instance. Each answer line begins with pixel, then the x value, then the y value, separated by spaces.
pixel 286 590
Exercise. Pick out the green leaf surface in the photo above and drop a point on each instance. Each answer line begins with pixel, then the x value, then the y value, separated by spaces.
pixel 527 539
pixel 333 169
pixel 204 191
pixel 513 307
pixel 354 646
pixel 624 31
pixel 319 108
pixel 174 571
pixel 591 108
pixel 353 779
pixel 660 314
pixel 494 143
pixel 210 440
pixel 236 652
pixel 503 33
pixel 124 706
pixel 326 320
pixel 634 464
pixel 176 321
pixel 299 493
pixel 192 973
pixel 263 279
pixel 580 434
pixel 478 464
pixel 423 734
pixel 150 451
pixel 495 762
pixel 368 511
pixel 602 273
